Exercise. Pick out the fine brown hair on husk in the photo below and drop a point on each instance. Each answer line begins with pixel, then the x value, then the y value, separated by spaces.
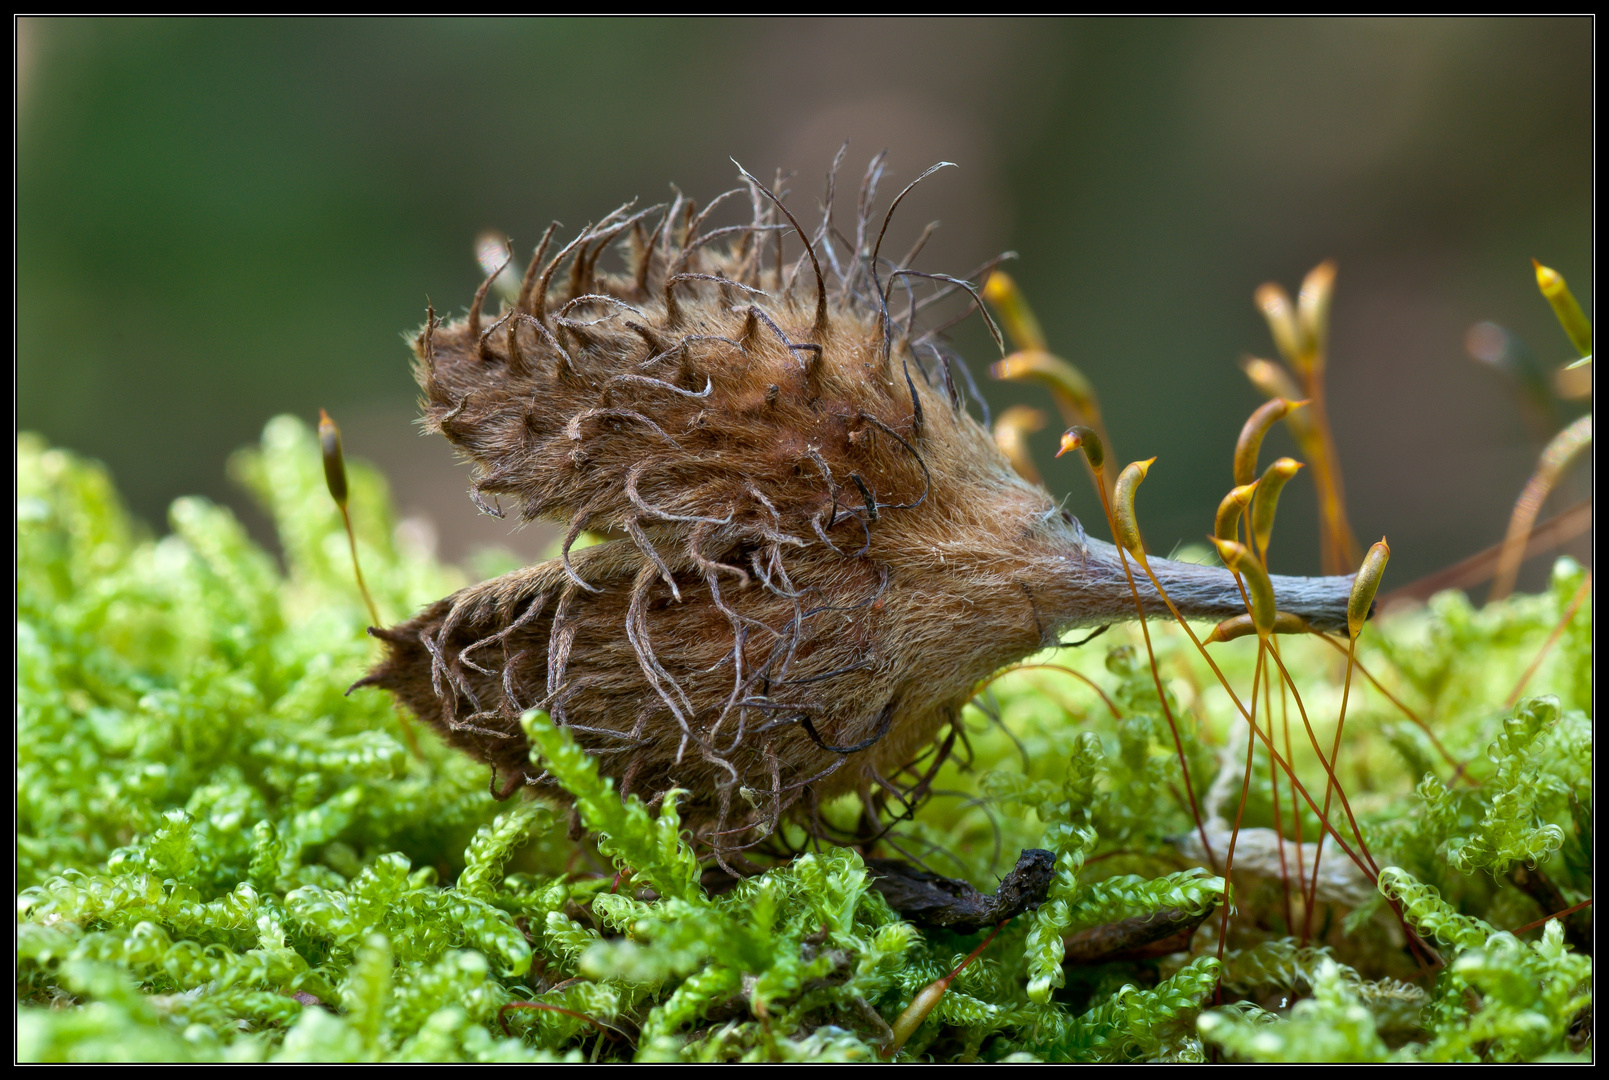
pixel 817 555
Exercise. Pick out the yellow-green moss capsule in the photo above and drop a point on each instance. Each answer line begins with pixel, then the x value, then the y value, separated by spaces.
pixel 1128 525
pixel 926 1000
pixel 1565 307
pixel 1259 590
pixel 1011 431
pixel 1313 308
pixel 1082 438
pixel 1227 521
pixel 1067 384
pixel 1263 506
pixel 1251 436
pixel 1275 304
pixel 1241 625
pixel 1015 314
pixel 1560 452
pixel 1272 379
pixel 1365 585
pixel 329 440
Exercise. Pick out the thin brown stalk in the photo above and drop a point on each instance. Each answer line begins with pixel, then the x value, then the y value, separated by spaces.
pixel 1234 834
pixel 1273 788
pixel 1296 809
pixel 1560 453
pixel 1339 548
pixel 502 1013
pixel 1335 751
pixel 1085 679
pixel 1555 532
pixel 1556 915
pixel 1389 696
pixel 1156 675
pixel 1329 767
pixel 1576 601
pixel 1368 868
pixel 1372 873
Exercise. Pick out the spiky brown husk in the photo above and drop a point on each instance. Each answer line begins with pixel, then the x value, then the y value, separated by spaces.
pixel 820 553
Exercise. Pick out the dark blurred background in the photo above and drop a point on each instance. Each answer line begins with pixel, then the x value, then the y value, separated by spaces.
pixel 218 221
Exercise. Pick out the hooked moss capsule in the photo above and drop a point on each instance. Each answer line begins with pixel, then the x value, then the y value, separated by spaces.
pixel 1365 585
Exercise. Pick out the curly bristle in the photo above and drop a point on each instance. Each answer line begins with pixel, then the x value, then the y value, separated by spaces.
pixel 818 552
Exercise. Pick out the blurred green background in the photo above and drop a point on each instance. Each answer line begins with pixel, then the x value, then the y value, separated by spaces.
pixel 218 221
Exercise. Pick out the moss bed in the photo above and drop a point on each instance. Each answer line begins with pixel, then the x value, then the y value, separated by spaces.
pixel 220 856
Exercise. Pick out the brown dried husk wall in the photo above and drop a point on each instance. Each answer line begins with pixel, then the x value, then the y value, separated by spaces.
pixel 817 553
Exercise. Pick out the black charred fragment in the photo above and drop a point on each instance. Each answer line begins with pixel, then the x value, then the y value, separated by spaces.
pixel 940 903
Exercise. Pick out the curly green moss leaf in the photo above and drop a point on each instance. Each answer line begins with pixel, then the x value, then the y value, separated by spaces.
pixel 1044 945
pixel 651 846
pixel 367 991
pixel 493 844
pixel 690 1001
pixel 1128 895
pixel 1283 964
pixel 119 1024
pixel 668 940
pixel 1508 1001
pixel 1072 843
pixel 1430 914
pixel 1332 1025
pixel 1509 831
pixel 449 1036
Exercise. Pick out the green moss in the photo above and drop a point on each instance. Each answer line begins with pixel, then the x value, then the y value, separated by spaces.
pixel 223 857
